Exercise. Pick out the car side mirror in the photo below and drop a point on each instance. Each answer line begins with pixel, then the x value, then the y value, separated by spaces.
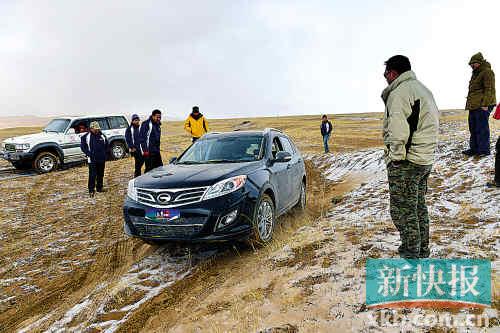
pixel 70 131
pixel 283 156
pixel 172 160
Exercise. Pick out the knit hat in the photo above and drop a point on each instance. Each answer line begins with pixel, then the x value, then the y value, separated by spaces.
pixel 95 125
pixel 476 58
pixel 135 116
pixel 196 109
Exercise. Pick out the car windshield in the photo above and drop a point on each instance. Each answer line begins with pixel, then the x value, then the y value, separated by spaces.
pixel 230 149
pixel 57 125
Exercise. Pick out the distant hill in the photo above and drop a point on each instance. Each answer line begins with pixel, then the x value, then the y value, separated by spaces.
pixel 23 121
pixel 35 121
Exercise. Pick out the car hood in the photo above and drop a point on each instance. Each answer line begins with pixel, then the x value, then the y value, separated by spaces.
pixel 34 138
pixel 182 176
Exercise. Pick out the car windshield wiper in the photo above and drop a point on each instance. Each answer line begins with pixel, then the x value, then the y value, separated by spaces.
pixel 189 162
pixel 223 161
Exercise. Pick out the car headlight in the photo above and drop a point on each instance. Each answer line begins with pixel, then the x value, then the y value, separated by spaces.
pixel 132 190
pixel 22 146
pixel 225 186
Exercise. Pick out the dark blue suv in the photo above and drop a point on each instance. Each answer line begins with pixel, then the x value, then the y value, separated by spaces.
pixel 225 186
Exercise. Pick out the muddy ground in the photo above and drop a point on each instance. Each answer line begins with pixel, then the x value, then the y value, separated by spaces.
pixel 65 264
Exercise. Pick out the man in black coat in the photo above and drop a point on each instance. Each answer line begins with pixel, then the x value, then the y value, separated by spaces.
pixel 133 140
pixel 326 130
pixel 95 146
pixel 150 136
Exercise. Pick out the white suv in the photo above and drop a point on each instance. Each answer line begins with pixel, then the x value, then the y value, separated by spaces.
pixel 59 142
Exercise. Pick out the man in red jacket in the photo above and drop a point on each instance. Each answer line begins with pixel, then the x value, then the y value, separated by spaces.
pixel 496 181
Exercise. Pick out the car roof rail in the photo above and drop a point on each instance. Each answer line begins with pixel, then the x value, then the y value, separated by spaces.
pixel 269 129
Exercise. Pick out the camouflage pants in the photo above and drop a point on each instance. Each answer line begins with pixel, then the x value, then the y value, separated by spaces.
pixel 407 187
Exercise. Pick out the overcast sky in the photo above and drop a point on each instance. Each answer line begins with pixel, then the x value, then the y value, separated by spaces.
pixel 233 58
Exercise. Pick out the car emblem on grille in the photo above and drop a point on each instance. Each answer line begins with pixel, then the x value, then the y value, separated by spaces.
pixel 163 198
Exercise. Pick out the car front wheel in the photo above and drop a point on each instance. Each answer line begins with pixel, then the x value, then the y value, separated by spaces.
pixel 263 221
pixel 45 162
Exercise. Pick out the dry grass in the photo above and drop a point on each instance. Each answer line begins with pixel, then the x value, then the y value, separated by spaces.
pixel 236 285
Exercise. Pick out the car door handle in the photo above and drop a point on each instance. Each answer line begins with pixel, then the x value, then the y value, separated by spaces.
pixel 288 166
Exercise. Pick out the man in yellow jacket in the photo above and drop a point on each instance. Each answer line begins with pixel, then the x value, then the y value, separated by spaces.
pixel 196 125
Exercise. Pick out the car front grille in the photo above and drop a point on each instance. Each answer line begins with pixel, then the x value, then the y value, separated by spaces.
pixel 10 147
pixel 168 231
pixel 178 197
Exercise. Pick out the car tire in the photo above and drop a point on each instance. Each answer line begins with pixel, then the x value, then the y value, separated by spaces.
pixel 263 221
pixel 45 162
pixel 118 150
pixel 302 203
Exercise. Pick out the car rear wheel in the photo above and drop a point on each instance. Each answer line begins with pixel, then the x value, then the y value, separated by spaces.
pixel 117 150
pixel 45 162
pixel 263 221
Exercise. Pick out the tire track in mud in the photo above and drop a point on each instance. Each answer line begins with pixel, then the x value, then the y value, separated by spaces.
pixel 122 275
pixel 58 289
pixel 111 293
pixel 12 173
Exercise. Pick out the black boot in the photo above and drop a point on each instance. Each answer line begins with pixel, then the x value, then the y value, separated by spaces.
pixel 468 152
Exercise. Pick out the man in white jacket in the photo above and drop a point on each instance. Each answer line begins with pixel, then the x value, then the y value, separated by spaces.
pixel 411 123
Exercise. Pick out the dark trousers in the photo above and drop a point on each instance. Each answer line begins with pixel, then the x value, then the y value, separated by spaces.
pixel 153 161
pixel 407 187
pixel 479 131
pixel 139 162
pixel 96 176
pixel 497 162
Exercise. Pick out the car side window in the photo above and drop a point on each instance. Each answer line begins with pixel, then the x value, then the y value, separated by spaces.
pixel 287 145
pixel 276 147
pixel 103 123
pixel 117 122
pixel 80 126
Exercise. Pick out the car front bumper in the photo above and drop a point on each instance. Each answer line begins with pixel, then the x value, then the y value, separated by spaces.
pixel 16 156
pixel 197 222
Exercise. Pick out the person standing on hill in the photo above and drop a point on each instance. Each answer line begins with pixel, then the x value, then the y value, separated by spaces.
pixel 411 122
pixel 150 136
pixel 134 144
pixel 481 100
pixel 196 124
pixel 95 146
pixel 326 130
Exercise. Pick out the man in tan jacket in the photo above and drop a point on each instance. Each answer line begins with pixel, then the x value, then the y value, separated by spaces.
pixel 411 123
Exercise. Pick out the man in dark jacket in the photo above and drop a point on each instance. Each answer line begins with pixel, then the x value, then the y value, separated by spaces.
pixel 134 144
pixel 326 129
pixel 481 100
pixel 95 146
pixel 150 136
